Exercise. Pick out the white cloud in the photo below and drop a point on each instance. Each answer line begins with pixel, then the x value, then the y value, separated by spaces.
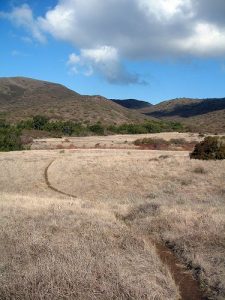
pixel 166 10
pixel 106 31
pixel 73 59
pixel 102 55
pixel 23 17
pixel 60 21
pixel 139 29
pixel 207 38
pixel 105 61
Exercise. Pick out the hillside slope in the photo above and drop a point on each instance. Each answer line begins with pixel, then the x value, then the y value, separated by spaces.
pixel 198 114
pixel 21 98
pixel 132 103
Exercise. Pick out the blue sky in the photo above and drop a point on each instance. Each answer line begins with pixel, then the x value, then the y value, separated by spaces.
pixel 140 49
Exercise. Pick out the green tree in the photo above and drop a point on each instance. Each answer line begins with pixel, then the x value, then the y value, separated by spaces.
pixel 39 122
pixel 10 139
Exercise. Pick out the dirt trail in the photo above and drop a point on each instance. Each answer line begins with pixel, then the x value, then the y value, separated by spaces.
pixel 50 185
pixel 188 286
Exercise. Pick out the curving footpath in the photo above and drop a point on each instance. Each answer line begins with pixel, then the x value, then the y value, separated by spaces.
pixel 47 181
pixel 188 287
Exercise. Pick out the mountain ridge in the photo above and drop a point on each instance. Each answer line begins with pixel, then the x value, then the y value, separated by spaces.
pixel 22 97
pixel 206 115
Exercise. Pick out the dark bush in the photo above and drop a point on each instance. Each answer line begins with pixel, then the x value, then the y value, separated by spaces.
pixel 210 148
pixel 4 124
pixel 97 129
pixel 39 122
pixel 150 141
pixel 10 139
pixel 146 127
pixel 129 129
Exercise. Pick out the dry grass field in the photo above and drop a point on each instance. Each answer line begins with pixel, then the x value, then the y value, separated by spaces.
pixel 122 141
pixel 88 224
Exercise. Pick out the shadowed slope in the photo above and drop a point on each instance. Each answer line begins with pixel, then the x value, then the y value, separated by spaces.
pixel 199 114
pixel 133 103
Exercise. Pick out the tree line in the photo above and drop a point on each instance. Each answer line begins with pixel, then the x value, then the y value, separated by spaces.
pixel 10 134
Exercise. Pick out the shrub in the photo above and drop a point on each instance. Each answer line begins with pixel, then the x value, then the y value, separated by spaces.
pixel 10 139
pixel 26 124
pixel 71 128
pixel 210 148
pixel 112 129
pixel 146 127
pixel 3 124
pixel 176 126
pixel 150 141
pixel 39 122
pixel 177 141
pixel 97 129
pixel 154 127
pixel 130 129
pixel 67 128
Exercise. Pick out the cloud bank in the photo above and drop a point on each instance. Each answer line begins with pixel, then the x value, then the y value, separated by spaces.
pixel 108 31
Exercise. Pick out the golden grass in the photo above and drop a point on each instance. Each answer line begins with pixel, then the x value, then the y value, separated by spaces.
pixel 53 246
pixel 54 249
pixel 110 141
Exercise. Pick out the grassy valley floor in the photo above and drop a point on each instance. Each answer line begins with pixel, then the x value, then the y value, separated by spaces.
pixel 87 238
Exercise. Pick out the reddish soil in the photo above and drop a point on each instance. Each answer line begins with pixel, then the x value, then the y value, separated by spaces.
pixel 188 286
pixel 165 147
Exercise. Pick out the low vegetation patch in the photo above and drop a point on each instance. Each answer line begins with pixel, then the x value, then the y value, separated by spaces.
pixel 200 170
pixel 178 141
pixel 82 129
pixel 150 141
pixel 161 144
pixel 210 148
pixel 20 135
pixel 10 137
